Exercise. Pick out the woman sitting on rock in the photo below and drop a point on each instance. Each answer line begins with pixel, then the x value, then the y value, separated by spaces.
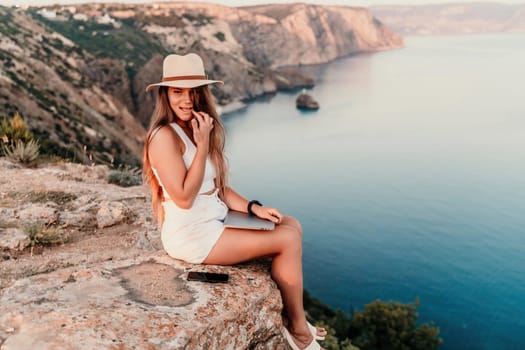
pixel 185 167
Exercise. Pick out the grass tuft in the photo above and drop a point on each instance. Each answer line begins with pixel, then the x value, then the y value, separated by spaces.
pixel 57 197
pixel 23 152
pixel 125 176
pixel 42 234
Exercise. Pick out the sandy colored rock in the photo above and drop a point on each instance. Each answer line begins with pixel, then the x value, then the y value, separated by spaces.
pixel 111 213
pixel 13 238
pixel 113 287
pixel 80 218
pixel 35 212
pixel 142 303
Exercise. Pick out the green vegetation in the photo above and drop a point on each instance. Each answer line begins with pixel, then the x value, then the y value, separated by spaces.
pixel 220 36
pixel 126 42
pixel 23 152
pixel 14 129
pixel 17 142
pixel 125 176
pixel 57 197
pixel 7 27
pixel 21 145
pixel 51 149
pixel 171 20
pixel 7 59
pixel 198 20
pixel 42 100
pixel 44 234
pixel 380 326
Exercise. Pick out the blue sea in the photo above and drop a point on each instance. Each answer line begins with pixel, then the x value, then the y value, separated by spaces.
pixel 409 181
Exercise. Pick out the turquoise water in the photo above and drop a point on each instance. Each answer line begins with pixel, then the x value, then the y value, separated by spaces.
pixel 409 181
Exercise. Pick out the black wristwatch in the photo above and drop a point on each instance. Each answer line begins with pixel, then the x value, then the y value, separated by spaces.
pixel 250 204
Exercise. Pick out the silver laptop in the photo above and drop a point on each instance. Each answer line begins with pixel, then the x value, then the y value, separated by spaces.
pixel 236 219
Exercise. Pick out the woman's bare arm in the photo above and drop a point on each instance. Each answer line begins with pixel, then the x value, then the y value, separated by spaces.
pixel 237 202
pixel 165 152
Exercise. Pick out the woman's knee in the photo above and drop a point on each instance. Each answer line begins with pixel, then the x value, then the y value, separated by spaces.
pixel 292 222
pixel 291 239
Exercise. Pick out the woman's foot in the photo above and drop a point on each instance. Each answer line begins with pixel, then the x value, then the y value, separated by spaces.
pixel 302 339
pixel 318 332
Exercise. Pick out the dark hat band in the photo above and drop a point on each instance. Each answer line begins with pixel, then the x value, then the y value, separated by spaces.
pixel 186 77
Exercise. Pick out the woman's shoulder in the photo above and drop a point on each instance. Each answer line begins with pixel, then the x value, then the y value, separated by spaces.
pixel 164 135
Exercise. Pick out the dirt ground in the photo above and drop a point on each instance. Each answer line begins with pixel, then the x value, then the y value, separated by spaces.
pixel 64 201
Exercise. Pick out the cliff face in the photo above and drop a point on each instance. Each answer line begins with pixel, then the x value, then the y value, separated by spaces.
pixel 453 18
pixel 143 303
pixel 77 73
pixel 310 34
pixel 110 285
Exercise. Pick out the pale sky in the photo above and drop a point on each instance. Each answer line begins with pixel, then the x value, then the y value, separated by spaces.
pixel 364 3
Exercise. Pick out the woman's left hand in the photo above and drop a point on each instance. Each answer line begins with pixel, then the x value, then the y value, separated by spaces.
pixel 267 213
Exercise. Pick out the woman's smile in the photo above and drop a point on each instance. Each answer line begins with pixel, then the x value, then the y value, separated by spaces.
pixel 186 110
pixel 181 102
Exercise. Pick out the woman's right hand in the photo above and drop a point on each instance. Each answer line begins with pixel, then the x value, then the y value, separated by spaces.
pixel 267 213
pixel 202 125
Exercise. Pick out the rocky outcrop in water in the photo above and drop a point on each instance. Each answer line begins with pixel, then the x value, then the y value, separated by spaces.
pixel 306 102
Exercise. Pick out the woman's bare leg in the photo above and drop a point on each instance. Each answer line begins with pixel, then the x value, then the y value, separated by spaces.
pixel 285 245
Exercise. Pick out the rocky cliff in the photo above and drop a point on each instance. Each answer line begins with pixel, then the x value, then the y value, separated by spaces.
pixel 310 34
pixel 77 73
pixel 107 284
pixel 453 18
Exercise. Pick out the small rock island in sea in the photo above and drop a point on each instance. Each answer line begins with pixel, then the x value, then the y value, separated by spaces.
pixel 306 102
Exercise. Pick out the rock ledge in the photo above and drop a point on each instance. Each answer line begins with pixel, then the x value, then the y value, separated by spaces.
pixel 107 283
pixel 145 303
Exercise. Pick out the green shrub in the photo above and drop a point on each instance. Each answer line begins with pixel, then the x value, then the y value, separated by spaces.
pixel 336 322
pixel 392 326
pixel 23 152
pixel 58 197
pixel 332 342
pixel 41 234
pixel 13 130
pixel 128 42
pixel 199 19
pixel 380 326
pixel 125 176
pixel 220 36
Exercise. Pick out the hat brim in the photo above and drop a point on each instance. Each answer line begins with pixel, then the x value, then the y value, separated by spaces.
pixel 184 84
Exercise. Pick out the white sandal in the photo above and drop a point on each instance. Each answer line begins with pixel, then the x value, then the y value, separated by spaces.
pixel 313 330
pixel 312 346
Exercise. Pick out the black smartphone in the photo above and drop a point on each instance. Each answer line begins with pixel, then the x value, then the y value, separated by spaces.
pixel 207 277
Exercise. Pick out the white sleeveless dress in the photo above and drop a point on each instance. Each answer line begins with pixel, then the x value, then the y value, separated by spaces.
pixel 190 234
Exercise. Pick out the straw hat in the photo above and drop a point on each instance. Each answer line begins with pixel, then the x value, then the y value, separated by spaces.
pixel 184 72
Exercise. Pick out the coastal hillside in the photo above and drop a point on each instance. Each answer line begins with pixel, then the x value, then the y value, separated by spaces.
pixel 77 73
pixel 453 18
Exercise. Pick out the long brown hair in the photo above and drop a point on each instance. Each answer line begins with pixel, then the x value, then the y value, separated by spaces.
pixel 164 115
